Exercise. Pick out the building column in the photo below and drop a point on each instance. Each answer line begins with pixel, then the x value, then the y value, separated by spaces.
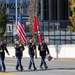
pixel 7 1
pixel 49 6
pixel 58 14
pixel 42 9
pixel 69 11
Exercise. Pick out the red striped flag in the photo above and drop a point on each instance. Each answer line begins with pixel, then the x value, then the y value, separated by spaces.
pixel 36 23
pixel 37 29
pixel 40 35
pixel 21 30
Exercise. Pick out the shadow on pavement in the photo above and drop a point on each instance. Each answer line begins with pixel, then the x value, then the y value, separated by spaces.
pixel 42 70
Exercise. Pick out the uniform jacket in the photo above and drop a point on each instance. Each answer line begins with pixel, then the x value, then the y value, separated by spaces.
pixel 19 50
pixel 43 49
pixel 31 48
pixel 2 50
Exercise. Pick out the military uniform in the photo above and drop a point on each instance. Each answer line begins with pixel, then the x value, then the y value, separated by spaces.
pixel 42 51
pixel 19 53
pixel 31 48
pixel 2 54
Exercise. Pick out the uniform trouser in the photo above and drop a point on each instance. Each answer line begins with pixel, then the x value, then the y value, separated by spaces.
pixel 31 61
pixel 19 58
pixel 43 62
pixel 3 64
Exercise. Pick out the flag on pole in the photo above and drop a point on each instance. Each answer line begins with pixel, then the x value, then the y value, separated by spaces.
pixel 21 30
pixel 36 24
pixel 37 29
pixel 40 35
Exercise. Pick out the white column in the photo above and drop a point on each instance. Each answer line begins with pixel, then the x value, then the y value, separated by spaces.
pixel 42 14
pixel 7 2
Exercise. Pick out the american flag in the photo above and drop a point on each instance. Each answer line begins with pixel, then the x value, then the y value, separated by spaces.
pixel 21 30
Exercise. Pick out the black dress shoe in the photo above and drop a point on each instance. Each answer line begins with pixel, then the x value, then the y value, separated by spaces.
pixel 17 69
pixel 46 68
pixel 22 69
pixel 35 69
pixel 29 68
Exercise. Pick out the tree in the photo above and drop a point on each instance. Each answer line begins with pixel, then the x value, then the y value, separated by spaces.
pixel 32 11
pixel 72 18
pixel 3 20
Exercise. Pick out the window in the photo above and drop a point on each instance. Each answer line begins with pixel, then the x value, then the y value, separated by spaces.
pixel 9 28
pixel 56 9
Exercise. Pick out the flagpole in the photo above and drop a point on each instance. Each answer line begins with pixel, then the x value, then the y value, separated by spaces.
pixel 15 24
pixel 16 12
pixel 36 35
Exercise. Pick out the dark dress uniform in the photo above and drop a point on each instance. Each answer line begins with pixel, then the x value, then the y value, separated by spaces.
pixel 2 54
pixel 19 53
pixel 31 54
pixel 42 51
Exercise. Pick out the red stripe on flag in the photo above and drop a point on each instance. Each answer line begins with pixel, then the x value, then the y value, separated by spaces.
pixel 40 38
pixel 21 32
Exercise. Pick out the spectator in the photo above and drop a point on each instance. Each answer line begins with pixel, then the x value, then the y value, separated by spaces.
pixel 42 50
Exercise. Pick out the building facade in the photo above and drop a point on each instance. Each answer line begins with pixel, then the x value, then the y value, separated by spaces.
pixel 11 11
pixel 11 8
pixel 55 9
pixel 54 19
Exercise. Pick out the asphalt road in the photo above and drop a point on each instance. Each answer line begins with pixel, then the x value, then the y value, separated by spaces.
pixel 55 67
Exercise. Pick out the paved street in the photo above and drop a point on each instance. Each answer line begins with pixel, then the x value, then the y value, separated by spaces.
pixel 56 67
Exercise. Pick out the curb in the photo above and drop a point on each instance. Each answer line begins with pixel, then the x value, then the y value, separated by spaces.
pixel 54 59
